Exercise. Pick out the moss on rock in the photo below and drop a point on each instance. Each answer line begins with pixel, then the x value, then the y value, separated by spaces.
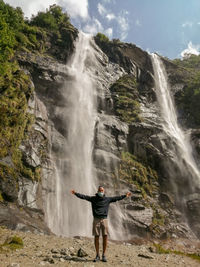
pixel 161 250
pixel 138 173
pixel 188 99
pixel 125 96
pixel 49 33
pixel 13 243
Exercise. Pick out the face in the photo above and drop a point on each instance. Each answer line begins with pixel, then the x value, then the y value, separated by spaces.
pixel 101 189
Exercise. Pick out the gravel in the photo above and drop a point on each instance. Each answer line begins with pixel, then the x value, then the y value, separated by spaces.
pixel 50 250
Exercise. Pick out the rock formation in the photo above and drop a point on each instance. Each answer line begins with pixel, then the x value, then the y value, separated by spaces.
pixel 130 149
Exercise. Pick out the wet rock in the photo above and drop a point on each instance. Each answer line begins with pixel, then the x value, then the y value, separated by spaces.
pixel 135 207
pixel 140 221
pixel 166 200
pixel 8 188
pixel 14 218
pixel 27 193
pixel 7 160
pixel 136 197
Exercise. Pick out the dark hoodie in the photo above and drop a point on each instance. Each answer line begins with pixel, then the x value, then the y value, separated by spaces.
pixel 100 205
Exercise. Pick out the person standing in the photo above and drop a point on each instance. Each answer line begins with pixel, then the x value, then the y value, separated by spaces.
pixel 100 206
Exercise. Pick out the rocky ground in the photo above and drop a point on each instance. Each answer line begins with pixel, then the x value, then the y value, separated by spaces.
pixel 50 250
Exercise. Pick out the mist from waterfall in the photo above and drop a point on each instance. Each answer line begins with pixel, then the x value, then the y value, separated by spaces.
pixel 182 149
pixel 88 78
pixel 66 214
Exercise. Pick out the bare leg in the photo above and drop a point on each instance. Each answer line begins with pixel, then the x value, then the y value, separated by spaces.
pixel 96 243
pixel 105 240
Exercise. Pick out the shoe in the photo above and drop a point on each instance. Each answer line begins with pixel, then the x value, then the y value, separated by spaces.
pixel 96 259
pixel 104 258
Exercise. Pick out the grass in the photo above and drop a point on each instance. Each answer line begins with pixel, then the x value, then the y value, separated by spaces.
pixel 126 99
pixel 134 171
pixel 161 250
pixel 13 243
pixel 40 35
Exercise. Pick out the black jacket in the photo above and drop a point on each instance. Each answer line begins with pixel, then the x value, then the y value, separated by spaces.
pixel 100 205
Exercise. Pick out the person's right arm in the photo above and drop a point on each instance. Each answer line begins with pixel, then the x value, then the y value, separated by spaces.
pixel 88 198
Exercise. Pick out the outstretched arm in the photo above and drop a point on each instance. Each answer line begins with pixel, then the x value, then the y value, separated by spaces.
pixel 88 198
pixel 117 198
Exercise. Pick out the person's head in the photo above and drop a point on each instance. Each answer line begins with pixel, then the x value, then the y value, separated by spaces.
pixel 101 191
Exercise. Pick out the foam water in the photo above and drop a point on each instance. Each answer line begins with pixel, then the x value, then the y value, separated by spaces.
pixel 66 214
pixel 182 150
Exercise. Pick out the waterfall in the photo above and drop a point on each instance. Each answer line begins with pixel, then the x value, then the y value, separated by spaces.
pixel 181 149
pixel 66 214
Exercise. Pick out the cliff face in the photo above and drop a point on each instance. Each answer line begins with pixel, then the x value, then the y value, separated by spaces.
pixel 130 152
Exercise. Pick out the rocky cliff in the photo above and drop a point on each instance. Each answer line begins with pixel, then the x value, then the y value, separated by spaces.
pixel 130 151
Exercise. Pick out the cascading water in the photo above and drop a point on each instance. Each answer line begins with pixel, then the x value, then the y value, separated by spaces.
pixel 182 150
pixel 66 214
pixel 88 78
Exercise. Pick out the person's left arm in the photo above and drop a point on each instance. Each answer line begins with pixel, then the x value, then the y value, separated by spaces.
pixel 117 198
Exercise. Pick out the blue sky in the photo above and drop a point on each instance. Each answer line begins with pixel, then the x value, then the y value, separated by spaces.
pixel 168 27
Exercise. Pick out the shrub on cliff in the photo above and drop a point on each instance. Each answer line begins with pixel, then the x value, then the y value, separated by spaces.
pixel 51 19
pixel 134 171
pixel 189 98
pixel 101 38
pixel 126 99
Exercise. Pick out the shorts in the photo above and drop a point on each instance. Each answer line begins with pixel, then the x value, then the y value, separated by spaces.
pixel 100 226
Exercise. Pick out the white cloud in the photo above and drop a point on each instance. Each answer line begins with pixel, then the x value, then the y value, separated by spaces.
pixel 109 32
pixel 110 16
pixel 123 24
pixel 190 50
pixel 138 23
pixel 121 20
pixel 93 27
pixel 187 24
pixel 75 8
pixel 101 9
pixel 109 1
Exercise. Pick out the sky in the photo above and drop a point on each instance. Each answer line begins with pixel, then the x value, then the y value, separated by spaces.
pixel 169 27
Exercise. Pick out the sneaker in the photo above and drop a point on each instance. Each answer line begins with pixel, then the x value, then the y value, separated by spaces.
pixel 104 258
pixel 96 259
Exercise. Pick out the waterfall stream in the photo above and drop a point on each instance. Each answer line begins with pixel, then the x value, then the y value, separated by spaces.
pixel 66 214
pixel 76 163
pixel 182 149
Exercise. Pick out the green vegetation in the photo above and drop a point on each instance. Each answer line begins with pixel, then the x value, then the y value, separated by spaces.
pixel 1 197
pixel 161 250
pixel 13 243
pixel 142 175
pixel 101 38
pixel 125 95
pixel 192 62
pixel 189 98
pixel 158 217
pixel 50 28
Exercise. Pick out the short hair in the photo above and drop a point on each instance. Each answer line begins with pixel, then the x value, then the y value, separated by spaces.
pixel 100 187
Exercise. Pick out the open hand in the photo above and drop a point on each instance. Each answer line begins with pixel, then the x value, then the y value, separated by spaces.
pixel 128 194
pixel 72 191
